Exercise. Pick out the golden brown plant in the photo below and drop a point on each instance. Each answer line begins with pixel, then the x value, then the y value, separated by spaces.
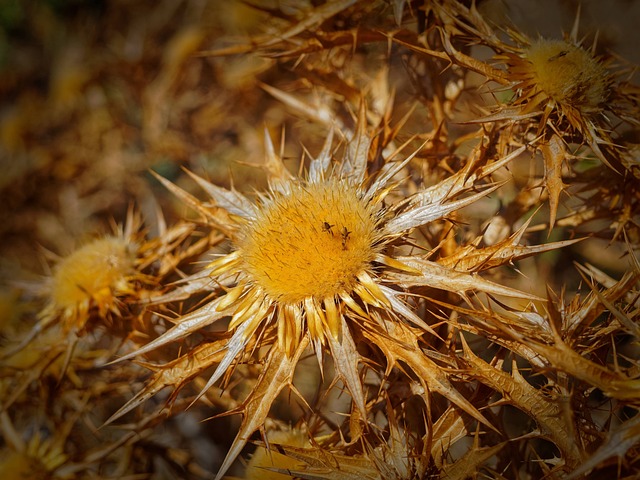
pixel 326 261
pixel 446 286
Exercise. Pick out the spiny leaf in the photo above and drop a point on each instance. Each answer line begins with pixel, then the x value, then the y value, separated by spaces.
pixel 354 165
pixel 446 278
pixel 420 215
pixel 471 259
pixel 216 216
pixel 324 464
pixel 554 155
pixel 621 439
pixel 401 345
pixel 465 180
pixel 273 164
pixel 232 201
pixel 175 373
pixel 314 17
pixel 497 327
pixel 345 357
pixel 185 288
pixel 184 326
pixel 447 430
pixel 548 415
pixel 564 358
pixel 471 462
pixel 610 295
pixel 319 113
pixel 277 373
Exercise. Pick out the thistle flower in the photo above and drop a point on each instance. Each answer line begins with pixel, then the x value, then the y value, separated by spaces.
pixel 563 95
pixel 559 73
pixel 89 282
pixel 564 373
pixel 94 275
pixel 312 252
pixel 561 76
pixel 35 457
pixel 100 273
pixel 314 261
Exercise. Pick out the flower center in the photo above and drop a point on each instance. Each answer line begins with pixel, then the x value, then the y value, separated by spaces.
pixel 569 74
pixel 93 271
pixel 310 242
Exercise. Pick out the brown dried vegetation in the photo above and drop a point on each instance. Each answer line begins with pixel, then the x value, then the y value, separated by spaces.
pixel 433 272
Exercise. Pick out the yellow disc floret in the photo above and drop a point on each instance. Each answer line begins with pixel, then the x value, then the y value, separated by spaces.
pixel 96 272
pixel 311 242
pixel 568 74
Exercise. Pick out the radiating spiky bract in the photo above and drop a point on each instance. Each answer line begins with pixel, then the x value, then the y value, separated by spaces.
pixel 315 259
pixel 423 370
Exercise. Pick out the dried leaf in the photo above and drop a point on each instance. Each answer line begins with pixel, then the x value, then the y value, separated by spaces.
pixel 402 346
pixel 554 155
pixel 277 373
pixel 551 421
pixel 618 443
pixel 174 374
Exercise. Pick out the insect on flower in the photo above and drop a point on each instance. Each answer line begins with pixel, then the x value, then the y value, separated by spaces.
pixel 344 233
pixel 326 227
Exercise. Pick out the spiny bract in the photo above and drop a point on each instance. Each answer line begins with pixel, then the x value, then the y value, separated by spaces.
pixel 316 260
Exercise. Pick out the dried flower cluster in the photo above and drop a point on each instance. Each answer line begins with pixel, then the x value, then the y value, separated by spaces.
pixel 443 282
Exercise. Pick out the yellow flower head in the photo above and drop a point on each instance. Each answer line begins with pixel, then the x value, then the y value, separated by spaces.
pixel 312 242
pixel 312 253
pixel 563 74
pixel 564 82
pixel 37 458
pixel 316 259
pixel 90 283
pixel 301 251
pixel 94 274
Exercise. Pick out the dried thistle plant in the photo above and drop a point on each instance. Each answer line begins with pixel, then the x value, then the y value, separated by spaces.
pixel 314 262
pixel 446 287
